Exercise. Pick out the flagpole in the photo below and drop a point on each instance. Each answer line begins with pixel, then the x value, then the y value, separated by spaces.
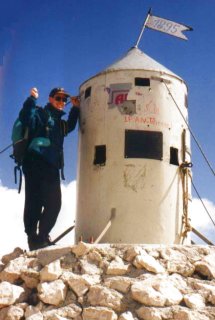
pixel 143 28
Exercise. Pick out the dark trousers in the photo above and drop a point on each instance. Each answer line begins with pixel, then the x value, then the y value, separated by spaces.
pixel 42 197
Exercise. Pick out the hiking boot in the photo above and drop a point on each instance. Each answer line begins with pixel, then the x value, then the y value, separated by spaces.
pixel 44 241
pixel 33 241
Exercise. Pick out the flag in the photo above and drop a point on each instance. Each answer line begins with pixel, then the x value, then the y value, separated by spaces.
pixel 167 26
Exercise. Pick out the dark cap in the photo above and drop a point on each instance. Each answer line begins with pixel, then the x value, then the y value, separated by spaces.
pixel 58 90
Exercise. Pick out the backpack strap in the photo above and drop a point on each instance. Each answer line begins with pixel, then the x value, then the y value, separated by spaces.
pixel 18 169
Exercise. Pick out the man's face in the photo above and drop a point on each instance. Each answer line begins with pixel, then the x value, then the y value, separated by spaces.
pixel 58 101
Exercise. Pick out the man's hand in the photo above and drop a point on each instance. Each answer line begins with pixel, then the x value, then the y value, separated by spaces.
pixel 34 93
pixel 75 101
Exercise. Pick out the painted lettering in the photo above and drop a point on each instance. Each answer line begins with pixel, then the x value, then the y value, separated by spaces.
pixel 138 93
pixel 146 120
pixel 120 98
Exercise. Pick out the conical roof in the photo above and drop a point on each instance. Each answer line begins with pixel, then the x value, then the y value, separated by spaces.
pixel 135 59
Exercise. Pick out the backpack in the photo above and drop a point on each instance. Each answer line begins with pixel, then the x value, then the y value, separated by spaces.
pixel 21 138
pixel 21 143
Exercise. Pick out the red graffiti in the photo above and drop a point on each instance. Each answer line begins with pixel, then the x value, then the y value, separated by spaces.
pixel 146 120
pixel 120 98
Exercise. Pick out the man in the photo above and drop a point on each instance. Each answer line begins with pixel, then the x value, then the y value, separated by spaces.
pixel 43 162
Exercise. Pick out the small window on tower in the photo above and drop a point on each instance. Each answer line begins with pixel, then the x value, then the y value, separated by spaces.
pixel 142 82
pixel 174 156
pixel 87 93
pixel 100 155
pixel 186 100
pixel 143 144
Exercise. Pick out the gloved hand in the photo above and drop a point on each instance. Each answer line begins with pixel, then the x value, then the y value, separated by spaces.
pixel 75 101
pixel 34 93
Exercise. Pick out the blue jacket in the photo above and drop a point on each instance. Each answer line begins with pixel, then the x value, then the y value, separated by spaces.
pixel 46 131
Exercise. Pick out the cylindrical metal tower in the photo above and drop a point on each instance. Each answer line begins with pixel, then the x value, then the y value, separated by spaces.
pixel 132 142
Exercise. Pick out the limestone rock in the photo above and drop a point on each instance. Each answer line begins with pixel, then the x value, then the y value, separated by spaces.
pixel 68 261
pixel 206 290
pixel 91 283
pixel 52 293
pixel 197 284
pixel 80 283
pixel 126 316
pixel 117 267
pixel 106 250
pixel 99 313
pixel 174 254
pixel 2 266
pixel 149 263
pixel 12 313
pixel 104 297
pixel 179 282
pixel 153 251
pixel 206 266
pixel 147 295
pixel 194 253
pixel 30 277
pixel 156 291
pixel 9 293
pixel 56 317
pixel 183 315
pixel 186 314
pixel 69 311
pixel 52 253
pixel 172 295
pixel 13 269
pixel 184 268
pixel 11 256
pixel 147 313
pixel 121 284
pixel 89 268
pixel 94 257
pixel 194 301
pixel 51 272
pixel 33 313
pixel 70 298
pixel 81 249
pixel 3 313
pixel 211 297
pixel 131 253
pixel 35 316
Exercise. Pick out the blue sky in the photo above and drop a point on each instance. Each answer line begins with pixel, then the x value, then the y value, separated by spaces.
pixel 45 44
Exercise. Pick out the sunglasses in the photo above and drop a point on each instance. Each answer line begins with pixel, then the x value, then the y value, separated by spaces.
pixel 57 98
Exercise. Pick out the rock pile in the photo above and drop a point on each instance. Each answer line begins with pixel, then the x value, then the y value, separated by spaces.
pixel 109 282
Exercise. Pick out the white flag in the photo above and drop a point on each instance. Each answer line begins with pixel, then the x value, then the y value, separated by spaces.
pixel 167 26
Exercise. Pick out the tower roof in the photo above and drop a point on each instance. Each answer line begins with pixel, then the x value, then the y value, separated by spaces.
pixel 135 59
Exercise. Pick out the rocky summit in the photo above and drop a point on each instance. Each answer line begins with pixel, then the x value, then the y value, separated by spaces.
pixel 109 282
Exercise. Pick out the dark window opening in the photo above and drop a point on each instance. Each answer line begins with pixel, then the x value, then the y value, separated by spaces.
pixel 142 82
pixel 143 144
pixel 174 156
pixel 100 155
pixel 186 100
pixel 183 143
pixel 87 92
